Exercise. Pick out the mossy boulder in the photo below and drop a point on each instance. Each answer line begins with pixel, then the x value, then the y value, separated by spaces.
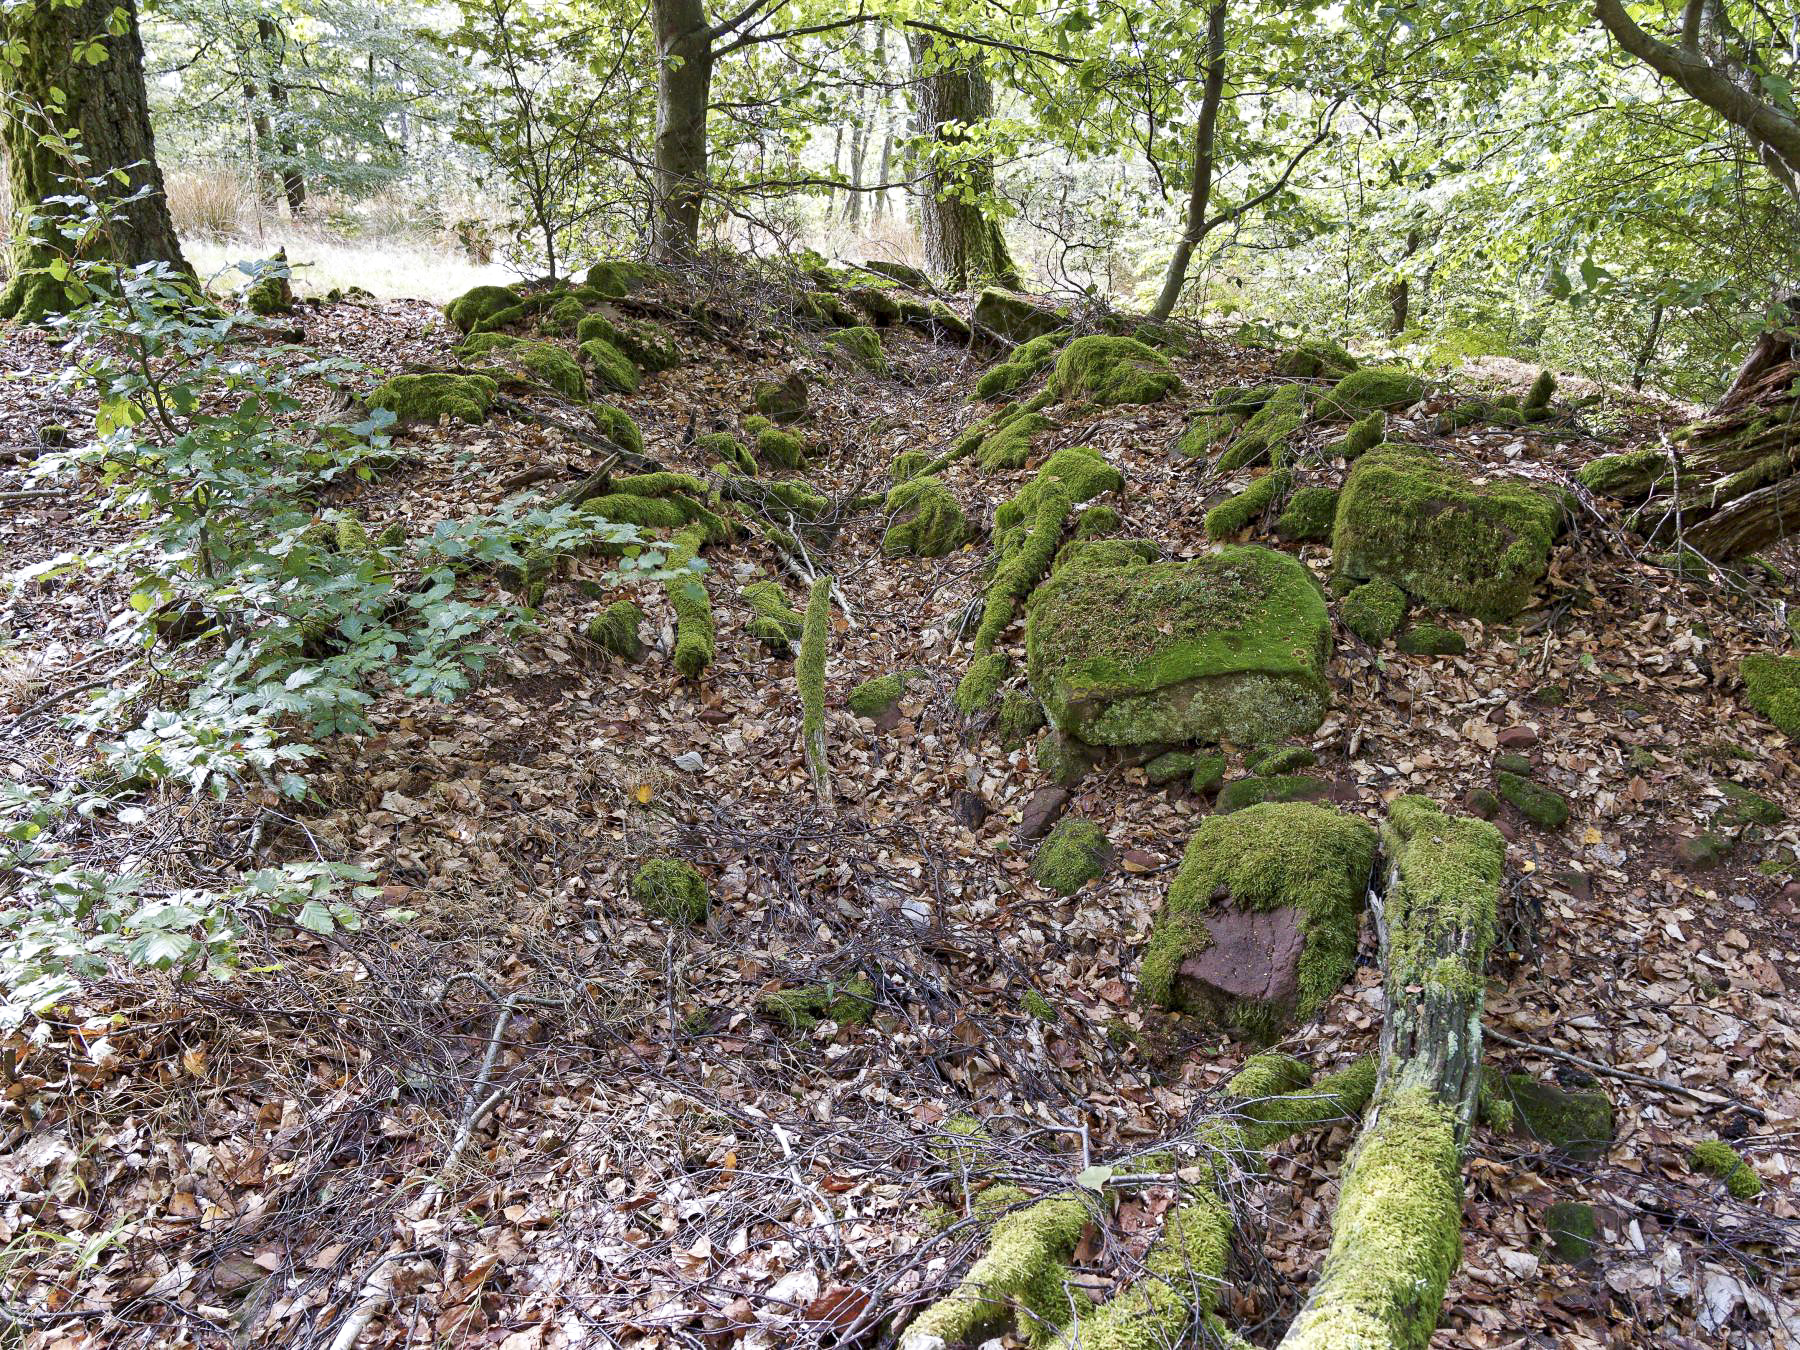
pixel 1372 389
pixel 272 292
pixel 1230 647
pixel 773 622
pixel 1308 515
pixel 615 629
pixel 1628 476
pixel 671 889
pixel 535 360
pixel 1572 1230
pixel 612 369
pixel 1237 512
pixel 859 346
pixel 435 395
pixel 616 425
pixel 1363 436
pixel 1114 370
pixel 924 520
pixel 1259 927
pixel 1073 854
pixel 1427 526
pixel 1430 639
pixel 784 401
pixel 1315 358
pixel 616 278
pixel 1542 806
pixel 643 344
pixel 1373 610
pixel 1077 473
pixel 1105 554
pixel 1008 446
pixel 777 448
pixel 1020 715
pixel 724 448
pixel 1265 434
pixel 1027 361
pixel 1284 787
pixel 1772 688
pixel 483 302
pixel 881 307
pixel 1016 318
pixel 1576 1124
pixel 1719 1159
pixel 1097 521
pixel 1206 431
pixel 878 696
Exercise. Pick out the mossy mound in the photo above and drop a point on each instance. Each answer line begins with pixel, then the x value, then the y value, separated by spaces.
pixel 1288 787
pixel 774 622
pixel 1542 806
pixel 1309 514
pixel 1236 513
pixel 874 697
pixel 1273 857
pixel 924 520
pixel 1572 1229
pixel 1363 436
pixel 881 307
pixel 1371 389
pixel 1373 610
pixel 435 395
pixel 785 401
pixel 612 369
pixel 850 1004
pixel 777 448
pixel 616 425
pixel 1027 361
pixel 615 629
pixel 1265 434
pixel 696 636
pixel 1206 431
pixel 859 346
pixel 1097 521
pixel 1430 639
pixel 1170 766
pixel 1105 554
pixel 723 448
pixel 1575 1124
pixel 1315 358
pixel 1020 715
pixel 1074 853
pixel 272 292
pixel 644 344
pixel 1008 446
pixel 542 362
pixel 981 682
pixel 616 278
pixel 483 302
pixel 1014 317
pixel 1627 476
pixel 1772 688
pixel 1281 759
pixel 1717 1158
pixel 1231 647
pixel 1114 370
pixel 907 464
pixel 1078 473
pixel 671 889
pixel 1425 525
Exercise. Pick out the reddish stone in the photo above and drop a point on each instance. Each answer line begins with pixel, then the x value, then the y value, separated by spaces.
pixel 971 810
pixel 1517 738
pixel 1041 811
pixel 1253 954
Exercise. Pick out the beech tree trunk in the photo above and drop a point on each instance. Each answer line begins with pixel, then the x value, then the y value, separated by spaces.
pixel 684 48
pixel 104 109
pixel 1200 171
pixel 962 242
pixel 293 180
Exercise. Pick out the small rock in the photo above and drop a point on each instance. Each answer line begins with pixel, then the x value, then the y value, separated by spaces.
pixel 1042 810
pixel 971 811
pixel 1516 738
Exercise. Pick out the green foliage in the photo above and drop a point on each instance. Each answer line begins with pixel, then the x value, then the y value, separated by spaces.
pixel 669 888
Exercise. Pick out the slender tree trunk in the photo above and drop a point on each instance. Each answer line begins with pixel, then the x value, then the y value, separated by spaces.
pixel 684 48
pixel 961 240
pixel 106 112
pixel 1640 368
pixel 1201 170
pixel 1400 291
pixel 293 180
pixel 887 161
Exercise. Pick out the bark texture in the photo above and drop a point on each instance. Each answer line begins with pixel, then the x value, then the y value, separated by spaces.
pixel 1200 171
pixel 684 48
pixel 106 113
pixel 962 242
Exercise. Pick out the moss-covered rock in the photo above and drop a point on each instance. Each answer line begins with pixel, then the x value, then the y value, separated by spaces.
pixel 435 395
pixel 1572 1231
pixel 1363 436
pixel 644 344
pixel 1430 639
pixel 1542 806
pixel 1016 318
pixel 1170 766
pixel 1287 787
pixel 483 302
pixel 785 401
pixel 1309 861
pixel 1063 760
pixel 723 448
pixel 924 520
pixel 1281 759
pixel 774 622
pixel 1209 772
pixel 1542 390
pixel 695 634
pixel 1009 446
pixel 859 346
pixel 1114 370
pixel 1425 525
pixel 1577 1124
pixel 616 278
pixel 1627 476
pixel 1096 521
pixel 272 292
pixel 802 1009
pixel 874 697
pixel 1371 389
pixel 615 629
pixel 612 369
pixel 777 448
pixel 543 362
pixel 671 889
pixel 981 682
pixel 1077 473
pixel 1074 853
pixel 1315 358
pixel 1207 430
pixel 1772 688
pixel 1719 1159
pixel 1747 807
pixel 1265 434
pixel 1230 647
pixel 907 464
pixel 1309 515
pixel 1237 512
pixel 1373 610
pixel 616 425
pixel 1105 554
pixel 1019 717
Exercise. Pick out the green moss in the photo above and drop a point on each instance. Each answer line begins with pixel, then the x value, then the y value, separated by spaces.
pixel 784 400
pixel 1446 878
pixel 1246 399
pixel 1265 433
pixel 1429 639
pixel 775 623
pixel 1309 515
pixel 1169 766
pixel 1265 857
pixel 873 697
pixel 1370 389
pixel 438 394
pixel 851 1004
pixel 723 447
pixel 645 512
pixel 616 425
pixel 1396 1235
pixel 1074 853
pixel 1282 759
pixel 1063 760
pixel 483 302
pixel 1244 792
pixel 1717 1158
pixel 859 346
pixel 1205 432
pixel 1096 521
pixel 1001 380
pixel 671 889
pixel 1540 805
pixel 615 629
pixel 544 362
pixel 1114 370
pixel 1077 472
pixel 1572 1229
pixel 781 449
pixel 1407 516
pixel 1576 1124
pixel 924 520
pixel 1019 717
pixel 809 675
pixel 1747 807
pixel 1209 772
pixel 1513 762
pixel 1015 317
pixel 643 344
pixel 612 369
pixel 1543 389
pixel 1772 688
pixel 1023 1280
pixel 1706 848
pixel 981 683
pixel 907 464
pixel 1034 1004
pixel 1184 1271
pixel 561 318
pixel 1315 358
pixel 617 278
pixel 1229 647
pixel 1373 610
pixel 1630 475
pixel 695 635
pixel 1363 436
pixel 1235 513
pixel 1277 1098
pixel 1021 562
pixel 1009 446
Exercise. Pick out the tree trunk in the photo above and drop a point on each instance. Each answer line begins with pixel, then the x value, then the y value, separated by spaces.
pixel 1201 170
pixel 107 113
pixel 684 49
pixel 293 180
pixel 1400 291
pixel 961 240
pixel 1640 368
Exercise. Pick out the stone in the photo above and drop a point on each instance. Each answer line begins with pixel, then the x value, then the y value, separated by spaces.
pixel 1572 1230
pixel 1424 524
pixel 1575 1124
pixel 970 809
pixel 1516 738
pixel 1114 370
pixel 1016 318
pixel 1042 810
pixel 785 400
pixel 903 273
pixel 1073 854
pixel 1230 647
pixel 1254 954
pixel 924 519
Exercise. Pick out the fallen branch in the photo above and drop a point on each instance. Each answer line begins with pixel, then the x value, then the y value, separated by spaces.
pixel 809 672
pixel 1715 1100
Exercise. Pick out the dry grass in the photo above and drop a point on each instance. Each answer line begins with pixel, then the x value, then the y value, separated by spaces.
pixel 390 269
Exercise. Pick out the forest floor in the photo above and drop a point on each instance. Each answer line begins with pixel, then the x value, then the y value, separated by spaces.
pixel 241 1163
